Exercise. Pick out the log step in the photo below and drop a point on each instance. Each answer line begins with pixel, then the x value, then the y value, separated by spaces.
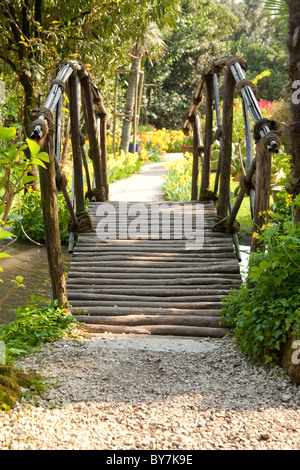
pixel 137 310
pixel 142 320
pixel 185 331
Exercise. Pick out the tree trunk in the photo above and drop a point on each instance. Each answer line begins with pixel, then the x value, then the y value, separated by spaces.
pixel 51 226
pixel 293 44
pixel 137 54
pixel 205 175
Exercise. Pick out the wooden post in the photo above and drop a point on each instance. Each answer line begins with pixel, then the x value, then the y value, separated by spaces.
pixel 262 193
pixel 195 173
pixel 76 144
pixel 205 174
pixel 51 226
pixel 241 194
pixel 225 167
pixel 115 113
pixel 91 125
pixel 197 149
pixel 135 111
pixel 103 147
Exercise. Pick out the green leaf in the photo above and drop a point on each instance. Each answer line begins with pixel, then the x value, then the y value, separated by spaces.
pixel 14 217
pixel 6 234
pixel 28 179
pixel 44 157
pixel 4 255
pixel 33 147
pixel 39 162
pixel 7 133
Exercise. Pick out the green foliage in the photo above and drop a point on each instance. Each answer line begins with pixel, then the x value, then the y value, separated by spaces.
pixel 278 12
pixel 33 326
pixel 15 167
pixel 265 310
pixel 32 217
pixel 11 381
pixel 201 33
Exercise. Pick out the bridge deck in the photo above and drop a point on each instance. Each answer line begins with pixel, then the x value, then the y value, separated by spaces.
pixel 160 286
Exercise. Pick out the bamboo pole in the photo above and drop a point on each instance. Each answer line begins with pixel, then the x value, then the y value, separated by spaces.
pixel 208 139
pixel 197 149
pixel 91 125
pixel 76 145
pixel 219 122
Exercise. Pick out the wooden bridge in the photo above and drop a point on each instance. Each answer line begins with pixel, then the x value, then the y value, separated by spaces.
pixel 153 286
pixel 161 284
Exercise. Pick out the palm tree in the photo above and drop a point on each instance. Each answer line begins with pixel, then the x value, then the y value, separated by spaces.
pixel 150 44
pixel 158 17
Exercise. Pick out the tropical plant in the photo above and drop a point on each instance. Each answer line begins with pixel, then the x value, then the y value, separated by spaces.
pixel 265 311
pixel 15 167
pixel 278 10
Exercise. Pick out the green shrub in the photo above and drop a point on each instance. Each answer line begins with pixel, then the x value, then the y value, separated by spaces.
pixel 265 311
pixel 34 325
pixel 32 217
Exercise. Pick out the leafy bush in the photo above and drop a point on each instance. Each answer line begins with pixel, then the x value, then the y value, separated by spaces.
pixel 34 325
pixel 32 217
pixel 265 311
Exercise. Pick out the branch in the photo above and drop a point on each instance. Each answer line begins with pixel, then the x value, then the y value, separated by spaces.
pixel 9 62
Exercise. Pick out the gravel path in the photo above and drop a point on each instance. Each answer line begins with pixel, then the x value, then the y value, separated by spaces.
pixel 150 393
pixel 147 393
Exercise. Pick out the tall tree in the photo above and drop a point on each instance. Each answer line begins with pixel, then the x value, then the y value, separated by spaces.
pixel 35 34
pixel 201 34
pixel 149 44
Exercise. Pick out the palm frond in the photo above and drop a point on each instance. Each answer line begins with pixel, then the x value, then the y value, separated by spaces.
pixel 278 11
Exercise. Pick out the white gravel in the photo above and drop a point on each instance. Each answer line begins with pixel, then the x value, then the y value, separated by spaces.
pixel 147 393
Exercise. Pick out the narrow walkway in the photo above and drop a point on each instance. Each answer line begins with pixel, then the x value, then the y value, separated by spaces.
pixel 146 185
pixel 161 283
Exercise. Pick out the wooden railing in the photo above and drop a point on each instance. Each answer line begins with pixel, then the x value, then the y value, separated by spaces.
pixel 73 79
pixel 257 180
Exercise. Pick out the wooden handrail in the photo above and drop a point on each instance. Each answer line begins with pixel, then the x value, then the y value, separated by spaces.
pixel 266 136
pixel 73 78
